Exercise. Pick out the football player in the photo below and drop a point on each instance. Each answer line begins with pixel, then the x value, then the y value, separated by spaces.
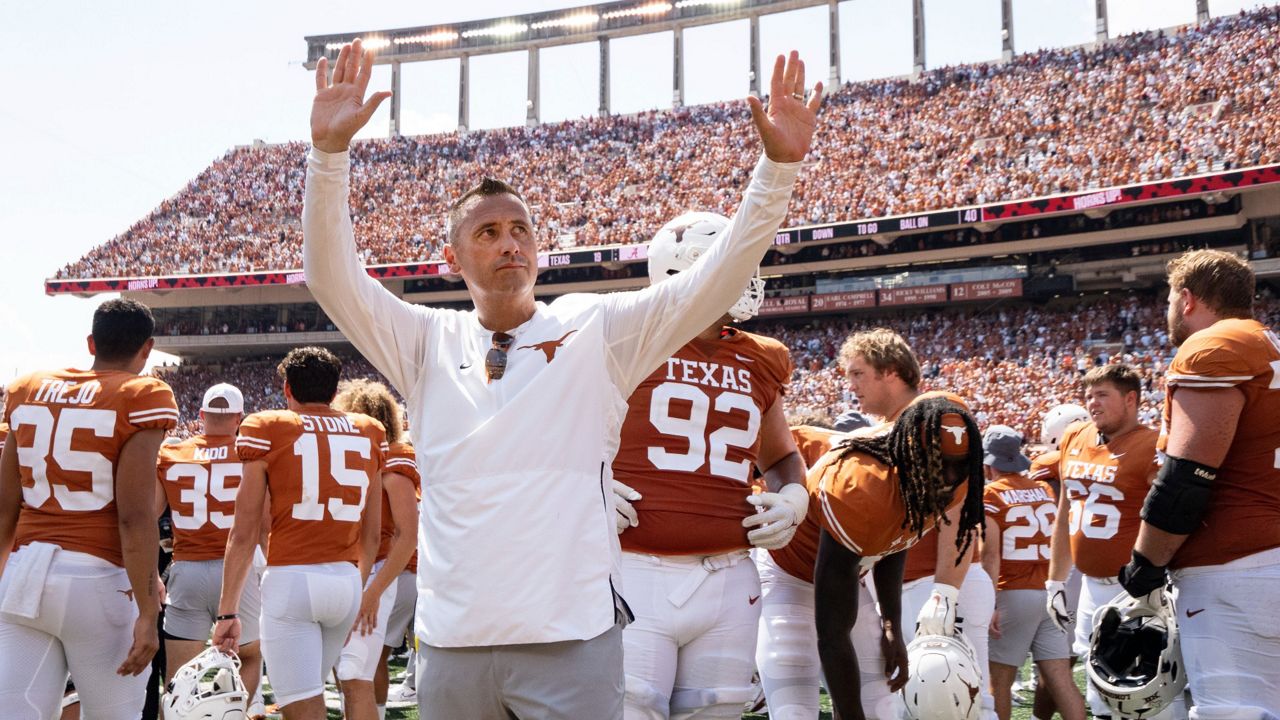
pixel 1020 514
pixel 197 480
pixel 80 593
pixel 1213 516
pixel 365 654
pixel 1106 467
pixel 696 429
pixel 871 498
pixel 885 375
pixel 318 466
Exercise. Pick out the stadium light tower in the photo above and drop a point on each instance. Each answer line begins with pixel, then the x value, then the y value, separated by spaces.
pixel 597 23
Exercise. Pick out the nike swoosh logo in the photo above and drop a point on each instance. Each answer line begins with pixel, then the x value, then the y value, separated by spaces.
pixel 1193 613
pixel 464 366
pixel 752 600
pixel 1117 457
pixel 744 359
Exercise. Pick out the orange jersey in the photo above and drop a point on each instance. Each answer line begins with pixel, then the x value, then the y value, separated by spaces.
pixel 1105 481
pixel 922 558
pixel 690 440
pixel 319 467
pixel 813 442
pixel 70 427
pixel 1045 467
pixel 1024 509
pixel 1244 509
pixel 401 460
pixel 200 477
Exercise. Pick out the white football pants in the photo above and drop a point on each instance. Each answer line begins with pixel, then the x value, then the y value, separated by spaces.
pixel 84 626
pixel 689 653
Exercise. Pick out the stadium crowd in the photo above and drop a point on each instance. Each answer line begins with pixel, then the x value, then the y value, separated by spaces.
pixel 1142 107
pixel 1012 362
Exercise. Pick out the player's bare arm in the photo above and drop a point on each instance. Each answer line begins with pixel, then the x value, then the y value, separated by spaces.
pixel 340 108
pixel 245 534
pixel 783 507
pixel 404 539
pixel 1059 566
pixel 835 590
pixel 938 615
pixel 1202 425
pixel 990 553
pixel 10 497
pixel 139 538
pixel 887 576
pixel 370 528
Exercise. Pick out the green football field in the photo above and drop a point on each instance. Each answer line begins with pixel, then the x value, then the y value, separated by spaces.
pixel 410 712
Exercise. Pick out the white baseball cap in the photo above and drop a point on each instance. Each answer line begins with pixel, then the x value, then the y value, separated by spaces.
pixel 229 393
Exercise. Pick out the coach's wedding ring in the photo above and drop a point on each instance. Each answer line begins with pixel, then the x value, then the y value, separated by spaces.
pixel 798 96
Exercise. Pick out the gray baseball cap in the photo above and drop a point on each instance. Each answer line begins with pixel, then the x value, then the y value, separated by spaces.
pixel 1002 448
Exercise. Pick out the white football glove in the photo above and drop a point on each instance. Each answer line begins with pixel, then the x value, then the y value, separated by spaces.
pixel 626 516
pixel 1056 605
pixel 778 516
pixel 938 616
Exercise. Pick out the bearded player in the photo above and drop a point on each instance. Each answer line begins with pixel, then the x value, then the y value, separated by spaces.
pixel 80 593
pixel 1212 519
pixel 198 479
pixel 871 498
pixel 319 467
pixel 696 430
pixel 365 653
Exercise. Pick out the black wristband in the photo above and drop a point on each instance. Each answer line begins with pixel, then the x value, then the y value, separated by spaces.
pixel 228 616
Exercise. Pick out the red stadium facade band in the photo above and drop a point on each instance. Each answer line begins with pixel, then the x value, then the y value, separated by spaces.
pixel 1211 522
pixel 79 593
pixel 517 406
pixel 696 430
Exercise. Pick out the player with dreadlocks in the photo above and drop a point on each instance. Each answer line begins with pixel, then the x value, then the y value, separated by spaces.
pixel 871 498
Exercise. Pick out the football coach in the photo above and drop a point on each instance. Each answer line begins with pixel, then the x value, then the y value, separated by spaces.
pixel 516 409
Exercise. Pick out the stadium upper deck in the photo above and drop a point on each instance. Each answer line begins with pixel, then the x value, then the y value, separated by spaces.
pixel 1138 109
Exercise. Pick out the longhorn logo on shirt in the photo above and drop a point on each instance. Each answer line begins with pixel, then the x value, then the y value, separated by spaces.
pixel 549 347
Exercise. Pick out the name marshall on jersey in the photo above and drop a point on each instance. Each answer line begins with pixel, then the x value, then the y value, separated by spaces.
pixel 1018 496
pixel 710 374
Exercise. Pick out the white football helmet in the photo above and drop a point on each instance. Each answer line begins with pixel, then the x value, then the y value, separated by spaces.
pixel 1056 422
pixel 944 682
pixel 1135 657
pixel 681 241
pixel 206 688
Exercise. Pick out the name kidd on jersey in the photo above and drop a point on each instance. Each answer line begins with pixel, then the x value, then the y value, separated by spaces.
pixel 328 423
pixel 65 392
pixel 211 453
pixel 1024 495
pixel 710 374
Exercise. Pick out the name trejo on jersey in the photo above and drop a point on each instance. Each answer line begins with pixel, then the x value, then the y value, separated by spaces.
pixel 1080 470
pixel 710 374
pixel 64 392
pixel 327 423
pixel 215 453
pixel 1025 495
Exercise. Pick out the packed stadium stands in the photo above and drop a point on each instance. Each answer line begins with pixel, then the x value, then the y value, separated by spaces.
pixel 1143 107
pixel 1013 362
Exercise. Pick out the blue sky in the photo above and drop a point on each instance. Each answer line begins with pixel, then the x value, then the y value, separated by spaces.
pixel 114 106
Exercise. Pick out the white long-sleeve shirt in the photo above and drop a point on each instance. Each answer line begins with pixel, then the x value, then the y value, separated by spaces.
pixel 517 540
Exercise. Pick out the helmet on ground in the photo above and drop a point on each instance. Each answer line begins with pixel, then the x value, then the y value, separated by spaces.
pixel 679 243
pixel 944 681
pixel 1056 422
pixel 206 688
pixel 1135 658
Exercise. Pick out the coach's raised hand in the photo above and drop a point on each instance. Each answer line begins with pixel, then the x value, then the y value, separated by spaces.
pixel 340 108
pixel 786 126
